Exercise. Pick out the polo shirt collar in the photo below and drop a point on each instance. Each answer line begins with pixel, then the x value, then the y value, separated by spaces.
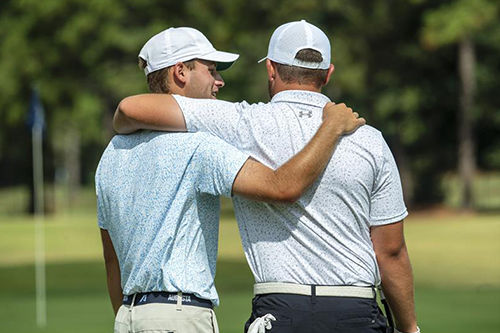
pixel 301 97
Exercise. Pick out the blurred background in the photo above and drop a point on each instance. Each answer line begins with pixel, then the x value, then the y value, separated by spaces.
pixel 426 73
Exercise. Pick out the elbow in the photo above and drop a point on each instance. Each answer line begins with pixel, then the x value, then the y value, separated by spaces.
pixel 112 267
pixel 110 260
pixel 292 198
pixel 394 253
pixel 122 122
pixel 289 196
pixel 109 255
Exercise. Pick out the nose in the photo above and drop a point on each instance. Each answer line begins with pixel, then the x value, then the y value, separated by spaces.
pixel 219 82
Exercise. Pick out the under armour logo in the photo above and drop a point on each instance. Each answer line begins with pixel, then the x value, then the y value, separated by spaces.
pixel 309 114
pixel 143 298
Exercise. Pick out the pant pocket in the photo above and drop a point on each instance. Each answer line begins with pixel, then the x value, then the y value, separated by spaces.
pixel 281 320
pixel 357 319
pixel 120 327
pixel 355 322
pixel 214 322
pixel 122 320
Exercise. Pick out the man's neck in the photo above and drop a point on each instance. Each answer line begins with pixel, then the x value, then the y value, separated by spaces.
pixel 300 87
pixel 295 86
pixel 280 86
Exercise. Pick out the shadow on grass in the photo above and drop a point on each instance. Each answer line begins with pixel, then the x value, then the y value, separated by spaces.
pixel 77 301
pixel 488 210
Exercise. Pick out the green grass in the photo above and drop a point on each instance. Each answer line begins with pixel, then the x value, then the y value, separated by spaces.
pixel 455 251
pixel 76 299
pixel 458 310
pixel 456 262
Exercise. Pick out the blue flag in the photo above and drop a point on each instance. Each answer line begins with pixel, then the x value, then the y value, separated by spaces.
pixel 36 113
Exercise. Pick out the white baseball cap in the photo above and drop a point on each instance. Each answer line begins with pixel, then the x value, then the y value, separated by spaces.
pixel 290 38
pixel 182 44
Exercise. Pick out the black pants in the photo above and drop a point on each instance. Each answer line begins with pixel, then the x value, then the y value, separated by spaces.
pixel 321 314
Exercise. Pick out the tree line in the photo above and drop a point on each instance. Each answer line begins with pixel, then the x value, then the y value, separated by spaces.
pixel 423 72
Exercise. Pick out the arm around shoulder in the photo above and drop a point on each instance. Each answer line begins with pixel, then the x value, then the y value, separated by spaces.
pixel 158 112
pixel 292 179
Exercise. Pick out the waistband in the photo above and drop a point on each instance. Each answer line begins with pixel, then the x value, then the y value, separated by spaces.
pixel 167 298
pixel 313 290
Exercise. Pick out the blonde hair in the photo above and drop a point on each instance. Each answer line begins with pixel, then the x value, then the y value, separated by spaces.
pixel 158 80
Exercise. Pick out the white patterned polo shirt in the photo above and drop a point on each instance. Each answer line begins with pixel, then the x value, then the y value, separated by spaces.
pixel 324 238
pixel 158 197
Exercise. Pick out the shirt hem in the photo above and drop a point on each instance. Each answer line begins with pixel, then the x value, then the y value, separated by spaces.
pixel 393 219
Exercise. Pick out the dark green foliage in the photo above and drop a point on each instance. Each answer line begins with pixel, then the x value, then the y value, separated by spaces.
pixel 396 64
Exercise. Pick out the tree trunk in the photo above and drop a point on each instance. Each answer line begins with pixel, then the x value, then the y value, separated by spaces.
pixel 466 154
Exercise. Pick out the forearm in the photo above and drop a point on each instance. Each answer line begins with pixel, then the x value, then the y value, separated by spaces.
pixel 114 285
pixel 158 112
pixel 397 284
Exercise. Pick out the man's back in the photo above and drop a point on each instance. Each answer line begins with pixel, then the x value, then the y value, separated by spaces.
pixel 324 238
pixel 158 199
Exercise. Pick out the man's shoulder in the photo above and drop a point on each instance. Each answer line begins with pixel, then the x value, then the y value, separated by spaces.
pixel 369 132
pixel 211 142
pixel 187 102
pixel 368 137
pixel 180 141
pixel 147 137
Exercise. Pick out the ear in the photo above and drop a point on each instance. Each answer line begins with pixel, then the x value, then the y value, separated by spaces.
pixel 179 71
pixel 271 70
pixel 330 71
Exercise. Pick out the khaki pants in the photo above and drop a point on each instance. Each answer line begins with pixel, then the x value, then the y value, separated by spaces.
pixel 165 318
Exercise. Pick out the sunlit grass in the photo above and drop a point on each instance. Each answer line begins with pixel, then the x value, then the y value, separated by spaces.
pixel 455 250
pixel 456 261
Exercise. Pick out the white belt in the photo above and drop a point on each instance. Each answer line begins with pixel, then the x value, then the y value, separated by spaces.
pixel 306 290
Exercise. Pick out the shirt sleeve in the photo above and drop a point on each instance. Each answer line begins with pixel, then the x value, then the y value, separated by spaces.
pixel 219 118
pixel 387 203
pixel 219 165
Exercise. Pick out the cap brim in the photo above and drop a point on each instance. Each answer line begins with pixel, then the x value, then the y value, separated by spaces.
pixel 224 60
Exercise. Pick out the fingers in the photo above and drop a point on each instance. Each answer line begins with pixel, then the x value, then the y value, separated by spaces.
pixel 342 117
pixel 361 121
